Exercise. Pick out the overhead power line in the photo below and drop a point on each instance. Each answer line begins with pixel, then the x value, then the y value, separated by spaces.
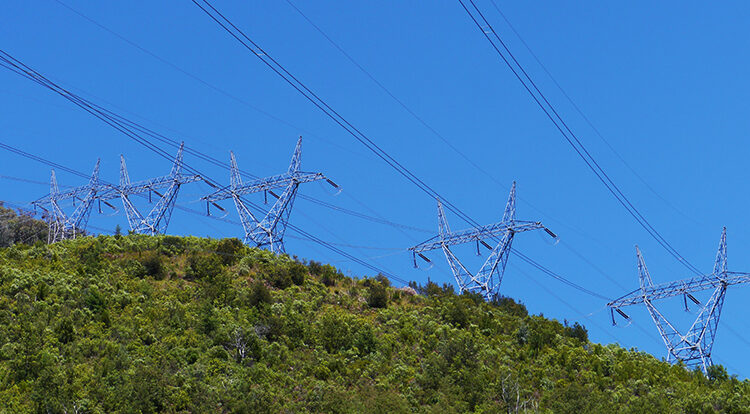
pixel 585 118
pixel 321 104
pixel 549 110
pixel 565 127
pixel 212 160
pixel 436 133
pixel 16 66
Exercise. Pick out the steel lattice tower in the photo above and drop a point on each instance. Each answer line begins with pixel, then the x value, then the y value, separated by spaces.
pixel 487 280
pixel 693 347
pixel 62 226
pixel 268 232
pixel 157 220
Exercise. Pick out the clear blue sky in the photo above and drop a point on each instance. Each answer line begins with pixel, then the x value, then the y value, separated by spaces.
pixel 665 83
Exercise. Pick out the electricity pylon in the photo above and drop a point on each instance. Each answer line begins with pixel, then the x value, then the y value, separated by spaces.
pixel 693 347
pixel 157 220
pixel 62 226
pixel 268 232
pixel 487 280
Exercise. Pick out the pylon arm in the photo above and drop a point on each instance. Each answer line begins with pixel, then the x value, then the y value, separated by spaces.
pixel 476 234
pixel 265 184
pixel 139 187
pixel 680 287
pixel 78 192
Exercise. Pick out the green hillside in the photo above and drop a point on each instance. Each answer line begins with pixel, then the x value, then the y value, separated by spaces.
pixel 166 324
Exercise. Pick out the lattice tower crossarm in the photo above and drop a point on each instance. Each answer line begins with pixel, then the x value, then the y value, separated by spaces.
pixel 157 219
pixel 268 231
pixel 487 280
pixel 61 225
pixel 694 347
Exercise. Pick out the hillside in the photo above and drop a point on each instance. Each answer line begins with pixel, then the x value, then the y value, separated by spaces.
pixel 168 324
pixel 20 227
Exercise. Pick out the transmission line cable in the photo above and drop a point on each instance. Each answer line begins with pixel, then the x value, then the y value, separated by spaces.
pixel 121 125
pixel 276 67
pixel 430 128
pixel 549 110
pixel 562 127
pixel 191 75
pixel 585 118
pixel 174 143
pixel 394 97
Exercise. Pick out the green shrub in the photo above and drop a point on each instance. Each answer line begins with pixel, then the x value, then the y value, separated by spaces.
pixel 153 265
pixel 377 296
pixel 259 294
pixel 172 245
pixel 65 331
pixel 576 331
pixel 278 276
pixel 297 272
pixel 229 250
pixel 203 267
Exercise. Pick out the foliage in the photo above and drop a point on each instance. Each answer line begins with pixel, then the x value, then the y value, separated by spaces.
pixel 165 324
pixel 20 227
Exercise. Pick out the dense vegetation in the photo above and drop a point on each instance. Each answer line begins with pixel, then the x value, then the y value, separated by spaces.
pixel 166 324
pixel 20 227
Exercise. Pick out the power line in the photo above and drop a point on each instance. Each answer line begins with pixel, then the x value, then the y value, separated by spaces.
pixel 174 143
pixel 269 61
pixel 394 97
pixel 549 110
pixel 20 68
pixel 554 275
pixel 597 133
pixel 261 54
pixel 298 85
pixel 193 76
pixel 124 125
pixel 432 129
pixel 25 180
pixel 131 129
pixel 585 118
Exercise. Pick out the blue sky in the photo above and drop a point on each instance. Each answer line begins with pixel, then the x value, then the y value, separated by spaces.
pixel 664 83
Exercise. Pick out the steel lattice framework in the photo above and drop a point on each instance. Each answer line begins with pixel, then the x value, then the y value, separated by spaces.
pixel 157 220
pixel 693 347
pixel 487 280
pixel 268 232
pixel 62 226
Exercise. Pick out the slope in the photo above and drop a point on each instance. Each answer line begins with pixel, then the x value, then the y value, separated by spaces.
pixel 170 324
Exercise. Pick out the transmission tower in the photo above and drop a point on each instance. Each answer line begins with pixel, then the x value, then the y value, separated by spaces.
pixel 693 347
pixel 487 280
pixel 268 232
pixel 62 226
pixel 157 220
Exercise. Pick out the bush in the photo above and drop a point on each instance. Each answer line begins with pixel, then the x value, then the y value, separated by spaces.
pixel 509 305
pixel 328 274
pixel 278 276
pixel 153 266
pixel 172 245
pixel 456 313
pixel 94 300
pixel 229 250
pixel 203 267
pixel 334 331
pixel 383 280
pixel 377 296
pixel 65 331
pixel 297 272
pixel 259 294
pixel 577 331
